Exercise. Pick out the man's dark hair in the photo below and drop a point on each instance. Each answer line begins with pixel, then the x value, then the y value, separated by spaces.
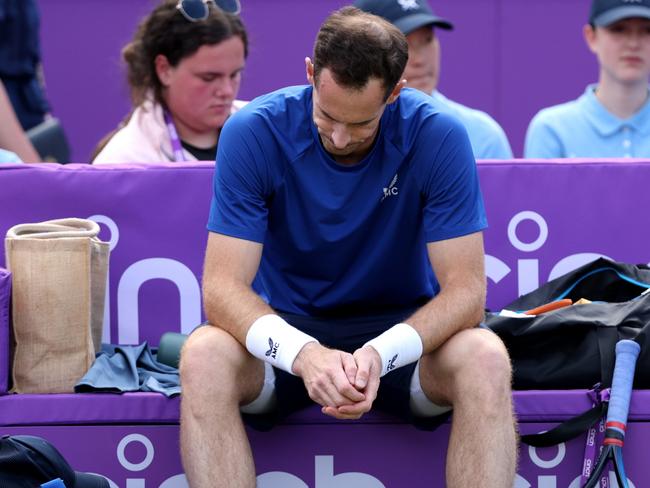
pixel 356 46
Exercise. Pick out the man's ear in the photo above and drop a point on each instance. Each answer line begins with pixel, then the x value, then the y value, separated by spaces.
pixel 163 69
pixel 309 68
pixel 396 91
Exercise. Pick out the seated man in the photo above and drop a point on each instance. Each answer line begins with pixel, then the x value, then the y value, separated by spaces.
pixel 418 23
pixel 353 207
pixel 611 118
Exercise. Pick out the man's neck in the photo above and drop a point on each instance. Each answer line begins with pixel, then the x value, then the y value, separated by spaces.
pixel 352 158
pixel 622 100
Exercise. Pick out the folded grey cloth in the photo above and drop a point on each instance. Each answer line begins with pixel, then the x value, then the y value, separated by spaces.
pixel 129 368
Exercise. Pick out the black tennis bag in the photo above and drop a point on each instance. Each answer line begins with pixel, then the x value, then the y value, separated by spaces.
pixel 574 347
pixel 28 461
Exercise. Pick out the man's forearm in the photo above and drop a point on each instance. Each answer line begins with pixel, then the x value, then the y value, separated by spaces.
pixel 239 311
pixel 452 310
pixel 232 307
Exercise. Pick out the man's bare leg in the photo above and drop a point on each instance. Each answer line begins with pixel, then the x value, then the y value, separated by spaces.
pixel 472 372
pixel 217 375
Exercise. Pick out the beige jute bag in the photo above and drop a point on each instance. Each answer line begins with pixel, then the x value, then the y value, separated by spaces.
pixel 59 270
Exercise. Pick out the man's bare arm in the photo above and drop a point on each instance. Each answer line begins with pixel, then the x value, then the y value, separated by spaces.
pixel 231 304
pixel 459 266
pixel 229 269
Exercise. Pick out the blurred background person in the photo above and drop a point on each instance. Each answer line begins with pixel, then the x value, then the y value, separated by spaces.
pixel 184 68
pixel 14 144
pixel 418 22
pixel 20 61
pixel 611 118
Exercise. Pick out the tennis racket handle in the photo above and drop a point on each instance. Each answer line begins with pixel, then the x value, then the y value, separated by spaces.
pixel 627 353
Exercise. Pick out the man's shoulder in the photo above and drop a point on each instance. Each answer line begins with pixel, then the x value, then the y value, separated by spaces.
pixel 416 108
pixel 415 120
pixel 277 102
pixel 280 120
pixel 411 100
pixel 282 108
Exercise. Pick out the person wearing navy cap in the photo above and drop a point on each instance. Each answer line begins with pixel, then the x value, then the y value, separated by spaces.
pixel 612 118
pixel 418 23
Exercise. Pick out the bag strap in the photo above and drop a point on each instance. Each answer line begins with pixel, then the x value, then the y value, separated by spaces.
pixel 607 338
pixel 581 423
pixel 52 229
pixel 568 429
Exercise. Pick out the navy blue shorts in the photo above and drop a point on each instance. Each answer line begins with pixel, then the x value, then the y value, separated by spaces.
pixel 346 335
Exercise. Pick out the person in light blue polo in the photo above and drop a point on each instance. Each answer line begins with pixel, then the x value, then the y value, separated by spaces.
pixel 417 21
pixel 611 119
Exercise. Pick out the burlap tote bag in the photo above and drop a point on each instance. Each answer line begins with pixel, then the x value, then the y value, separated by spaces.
pixel 59 270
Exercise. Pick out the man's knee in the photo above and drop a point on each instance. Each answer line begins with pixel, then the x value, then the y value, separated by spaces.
pixel 473 363
pixel 489 354
pixel 486 371
pixel 212 359
pixel 206 347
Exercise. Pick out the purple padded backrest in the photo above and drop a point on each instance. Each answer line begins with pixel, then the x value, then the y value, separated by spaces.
pixel 5 302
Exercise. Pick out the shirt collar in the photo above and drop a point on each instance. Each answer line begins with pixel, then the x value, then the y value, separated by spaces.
pixel 607 123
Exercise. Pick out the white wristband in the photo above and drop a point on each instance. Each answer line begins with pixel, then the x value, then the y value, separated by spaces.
pixel 398 346
pixel 273 340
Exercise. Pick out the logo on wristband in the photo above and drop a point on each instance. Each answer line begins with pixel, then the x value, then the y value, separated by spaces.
pixel 391 364
pixel 273 349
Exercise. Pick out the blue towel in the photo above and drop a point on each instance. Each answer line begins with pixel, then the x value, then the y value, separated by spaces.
pixel 129 368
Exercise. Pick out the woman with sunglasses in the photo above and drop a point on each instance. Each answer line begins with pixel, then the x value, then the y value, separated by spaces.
pixel 184 68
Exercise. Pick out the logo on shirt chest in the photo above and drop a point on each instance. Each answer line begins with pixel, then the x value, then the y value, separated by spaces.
pixel 392 190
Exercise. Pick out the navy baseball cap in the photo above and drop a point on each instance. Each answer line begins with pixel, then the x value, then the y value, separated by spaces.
pixel 27 461
pixel 406 15
pixel 606 12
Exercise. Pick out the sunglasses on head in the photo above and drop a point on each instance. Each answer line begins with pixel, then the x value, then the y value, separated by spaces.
pixel 196 10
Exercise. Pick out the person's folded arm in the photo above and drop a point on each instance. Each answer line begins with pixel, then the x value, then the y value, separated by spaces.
pixel 231 304
pixel 458 264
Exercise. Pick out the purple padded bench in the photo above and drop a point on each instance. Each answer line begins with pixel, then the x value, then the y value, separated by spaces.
pixel 135 436
pixel 545 218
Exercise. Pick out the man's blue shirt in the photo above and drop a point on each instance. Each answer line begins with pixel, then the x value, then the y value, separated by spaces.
pixel 344 239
